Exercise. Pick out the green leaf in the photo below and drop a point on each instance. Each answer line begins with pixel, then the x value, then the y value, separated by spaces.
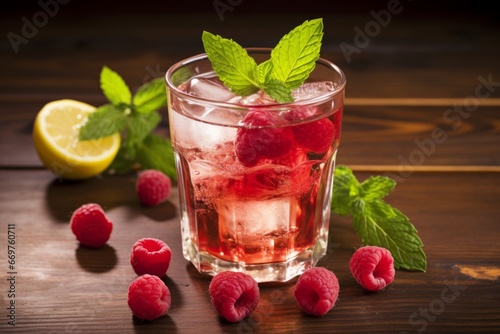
pixel 345 188
pixel 232 64
pixel 122 163
pixel 278 91
pixel 295 55
pixel 140 125
pixel 381 225
pixel 114 87
pixel 156 153
pixel 104 121
pixel 376 187
pixel 376 222
pixel 263 72
pixel 150 96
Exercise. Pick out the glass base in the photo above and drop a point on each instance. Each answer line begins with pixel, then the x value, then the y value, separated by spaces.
pixel 264 272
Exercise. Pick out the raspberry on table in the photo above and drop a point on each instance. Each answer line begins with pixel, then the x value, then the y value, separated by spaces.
pixel 148 297
pixel 316 291
pixel 152 187
pixel 261 138
pixel 150 256
pixel 234 295
pixel 90 225
pixel 372 267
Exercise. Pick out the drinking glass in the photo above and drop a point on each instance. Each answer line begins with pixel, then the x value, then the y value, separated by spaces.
pixel 255 176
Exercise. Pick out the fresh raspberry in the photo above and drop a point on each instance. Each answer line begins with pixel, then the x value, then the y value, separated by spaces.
pixel 148 297
pixel 316 136
pixel 262 138
pixel 152 187
pixel 316 291
pixel 234 295
pixel 150 256
pixel 372 267
pixel 90 225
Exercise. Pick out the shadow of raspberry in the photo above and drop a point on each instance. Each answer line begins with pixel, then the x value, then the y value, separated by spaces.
pixel 96 260
pixel 62 197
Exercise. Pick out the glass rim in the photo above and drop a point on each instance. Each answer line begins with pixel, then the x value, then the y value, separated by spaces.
pixel 228 105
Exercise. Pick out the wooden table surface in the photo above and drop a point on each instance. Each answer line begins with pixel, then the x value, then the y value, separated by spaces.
pixel 423 104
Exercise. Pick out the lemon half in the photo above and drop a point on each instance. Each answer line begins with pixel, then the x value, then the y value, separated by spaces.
pixel 55 134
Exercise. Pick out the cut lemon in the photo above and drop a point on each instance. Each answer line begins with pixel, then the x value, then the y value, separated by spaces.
pixel 55 134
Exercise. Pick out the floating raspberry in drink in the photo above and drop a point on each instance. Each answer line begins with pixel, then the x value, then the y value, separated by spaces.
pixel 261 138
pixel 372 267
pixel 316 136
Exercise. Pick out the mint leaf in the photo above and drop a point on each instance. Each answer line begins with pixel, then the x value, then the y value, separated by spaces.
pixel 122 163
pixel 345 188
pixel 140 125
pixel 150 96
pixel 156 152
pixel 232 64
pixel 384 226
pixel 104 121
pixel 278 91
pixel 292 61
pixel 294 58
pixel 114 87
pixel 375 221
pixel 376 187
pixel 263 72
pixel 135 119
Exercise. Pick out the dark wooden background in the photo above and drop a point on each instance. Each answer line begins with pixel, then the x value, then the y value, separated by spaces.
pixel 421 74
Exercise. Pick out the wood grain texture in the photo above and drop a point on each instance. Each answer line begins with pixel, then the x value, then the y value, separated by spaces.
pixel 66 288
pixel 413 56
pixel 408 138
pixel 432 67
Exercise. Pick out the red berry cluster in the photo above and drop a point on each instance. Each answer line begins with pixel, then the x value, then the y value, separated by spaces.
pixel 92 227
pixel 265 135
pixel 236 295
pixel 148 296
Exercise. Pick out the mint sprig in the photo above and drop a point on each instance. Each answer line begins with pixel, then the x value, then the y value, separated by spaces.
pixel 294 58
pixel 292 61
pixel 135 117
pixel 231 62
pixel 375 221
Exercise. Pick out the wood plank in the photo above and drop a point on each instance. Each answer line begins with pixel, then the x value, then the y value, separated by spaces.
pixel 62 287
pixel 412 57
pixel 410 137
pixel 403 137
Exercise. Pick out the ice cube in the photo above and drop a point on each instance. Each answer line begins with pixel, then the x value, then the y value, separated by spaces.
pixel 221 116
pixel 258 98
pixel 311 90
pixel 194 134
pixel 209 89
pixel 244 219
